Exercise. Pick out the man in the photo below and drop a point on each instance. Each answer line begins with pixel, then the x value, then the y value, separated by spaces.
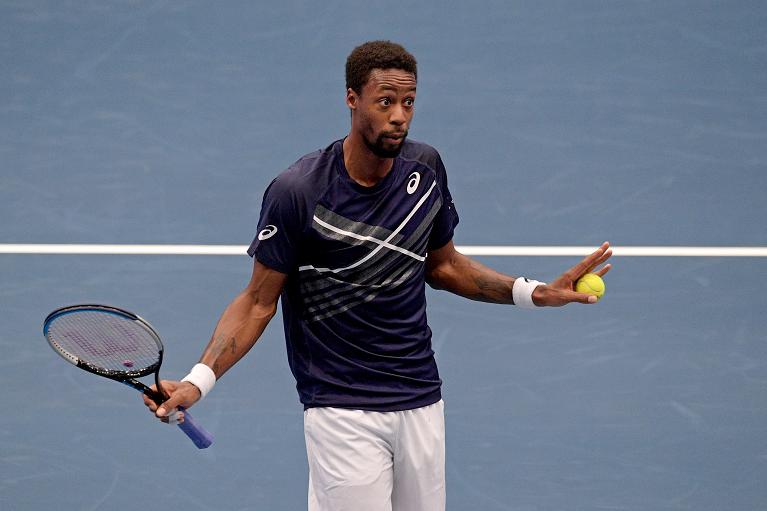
pixel 348 237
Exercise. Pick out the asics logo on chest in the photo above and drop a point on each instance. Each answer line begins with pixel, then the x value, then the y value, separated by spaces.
pixel 412 184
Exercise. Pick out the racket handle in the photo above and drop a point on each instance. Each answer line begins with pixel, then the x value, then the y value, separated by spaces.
pixel 197 434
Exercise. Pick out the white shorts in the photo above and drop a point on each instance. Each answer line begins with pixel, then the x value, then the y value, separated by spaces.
pixel 376 461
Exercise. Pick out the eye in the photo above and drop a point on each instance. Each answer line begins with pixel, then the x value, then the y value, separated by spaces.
pixel 385 101
pixel 409 101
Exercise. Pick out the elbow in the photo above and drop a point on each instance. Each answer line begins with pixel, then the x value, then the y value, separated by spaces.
pixel 260 307
pixel 264 311
pixel 434 280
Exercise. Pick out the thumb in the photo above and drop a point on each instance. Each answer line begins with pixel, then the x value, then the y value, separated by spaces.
pixel 566 296
pixel 171 404
pixel 585 298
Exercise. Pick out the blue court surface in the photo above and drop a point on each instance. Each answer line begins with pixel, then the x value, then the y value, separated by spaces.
pixel 561 123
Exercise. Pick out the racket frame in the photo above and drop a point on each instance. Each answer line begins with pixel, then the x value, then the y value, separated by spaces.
pixel 128 377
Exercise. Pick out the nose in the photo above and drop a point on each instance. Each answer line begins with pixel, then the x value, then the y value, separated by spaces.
pixel 398 116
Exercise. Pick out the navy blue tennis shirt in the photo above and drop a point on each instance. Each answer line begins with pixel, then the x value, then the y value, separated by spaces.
pixel 354 304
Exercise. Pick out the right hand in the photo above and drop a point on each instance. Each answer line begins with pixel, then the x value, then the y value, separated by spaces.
pixel 179 393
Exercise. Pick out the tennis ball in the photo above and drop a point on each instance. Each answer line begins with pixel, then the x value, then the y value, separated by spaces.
pixel 591 284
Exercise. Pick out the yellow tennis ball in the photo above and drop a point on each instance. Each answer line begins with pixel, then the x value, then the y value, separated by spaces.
pixel 591 284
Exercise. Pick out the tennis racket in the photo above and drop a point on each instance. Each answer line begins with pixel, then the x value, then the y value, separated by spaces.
pixel 115 344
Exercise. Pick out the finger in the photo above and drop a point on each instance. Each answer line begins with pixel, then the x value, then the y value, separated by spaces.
pixel 149 397
pixel 149 403
pixel 599 256
pixel 602 259
pixel 595 264
pixel 167 387
pixel 604 270
pixel 590 261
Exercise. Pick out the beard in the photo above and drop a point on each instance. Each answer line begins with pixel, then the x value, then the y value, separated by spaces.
pixel 384 147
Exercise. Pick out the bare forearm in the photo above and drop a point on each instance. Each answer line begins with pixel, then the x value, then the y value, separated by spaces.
pixel 240 326
pixel 448 269
pixel 468 278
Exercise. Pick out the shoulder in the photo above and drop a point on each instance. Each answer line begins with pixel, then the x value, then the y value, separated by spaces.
pixel 423 153
pixel 308 175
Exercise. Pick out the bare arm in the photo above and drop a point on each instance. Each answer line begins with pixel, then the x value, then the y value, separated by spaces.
pixel 237 331
pixel 448 269
pixel 244 320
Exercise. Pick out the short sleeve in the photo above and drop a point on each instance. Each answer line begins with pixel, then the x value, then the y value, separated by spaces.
pixel 277 240
pixel 447 217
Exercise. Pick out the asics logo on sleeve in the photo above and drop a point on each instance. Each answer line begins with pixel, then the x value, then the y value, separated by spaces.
pixel 412 184
pixel 267 232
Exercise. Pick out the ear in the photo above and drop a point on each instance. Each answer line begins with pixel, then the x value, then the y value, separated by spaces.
pixel 352 99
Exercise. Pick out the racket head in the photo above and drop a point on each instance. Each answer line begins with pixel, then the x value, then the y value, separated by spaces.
pixel 104 340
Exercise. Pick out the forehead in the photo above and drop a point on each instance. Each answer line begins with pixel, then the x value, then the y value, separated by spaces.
pixel 396 79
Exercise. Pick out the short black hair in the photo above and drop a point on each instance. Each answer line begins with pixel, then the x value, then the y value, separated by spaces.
pixel 376 55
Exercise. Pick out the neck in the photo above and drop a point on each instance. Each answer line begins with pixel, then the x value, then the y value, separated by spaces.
pixel 363 166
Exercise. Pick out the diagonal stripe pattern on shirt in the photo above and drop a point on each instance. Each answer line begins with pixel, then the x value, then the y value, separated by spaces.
pixel 390 262
pixel 386 271
pixel 381 262
pixel 381 243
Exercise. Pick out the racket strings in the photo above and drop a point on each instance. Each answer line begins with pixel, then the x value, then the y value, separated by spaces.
pixel 105 340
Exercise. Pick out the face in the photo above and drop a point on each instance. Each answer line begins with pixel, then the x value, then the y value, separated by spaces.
pixel 381 115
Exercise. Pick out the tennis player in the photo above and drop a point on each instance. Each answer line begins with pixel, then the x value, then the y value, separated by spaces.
pixel 348 237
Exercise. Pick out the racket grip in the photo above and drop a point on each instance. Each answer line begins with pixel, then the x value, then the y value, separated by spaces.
pixel 197 434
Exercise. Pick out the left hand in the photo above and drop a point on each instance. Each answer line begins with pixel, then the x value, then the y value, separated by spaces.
pixel 562 290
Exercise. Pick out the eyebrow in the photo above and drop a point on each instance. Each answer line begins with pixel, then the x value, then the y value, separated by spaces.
pixel 395 89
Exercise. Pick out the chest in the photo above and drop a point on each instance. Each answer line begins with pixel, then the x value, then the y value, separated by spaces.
pixel 347 226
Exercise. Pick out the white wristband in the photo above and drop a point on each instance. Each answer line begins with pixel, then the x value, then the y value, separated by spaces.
pixel 202 377
pixel 522 292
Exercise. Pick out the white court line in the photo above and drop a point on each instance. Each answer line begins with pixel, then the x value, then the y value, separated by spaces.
pixel 474 250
